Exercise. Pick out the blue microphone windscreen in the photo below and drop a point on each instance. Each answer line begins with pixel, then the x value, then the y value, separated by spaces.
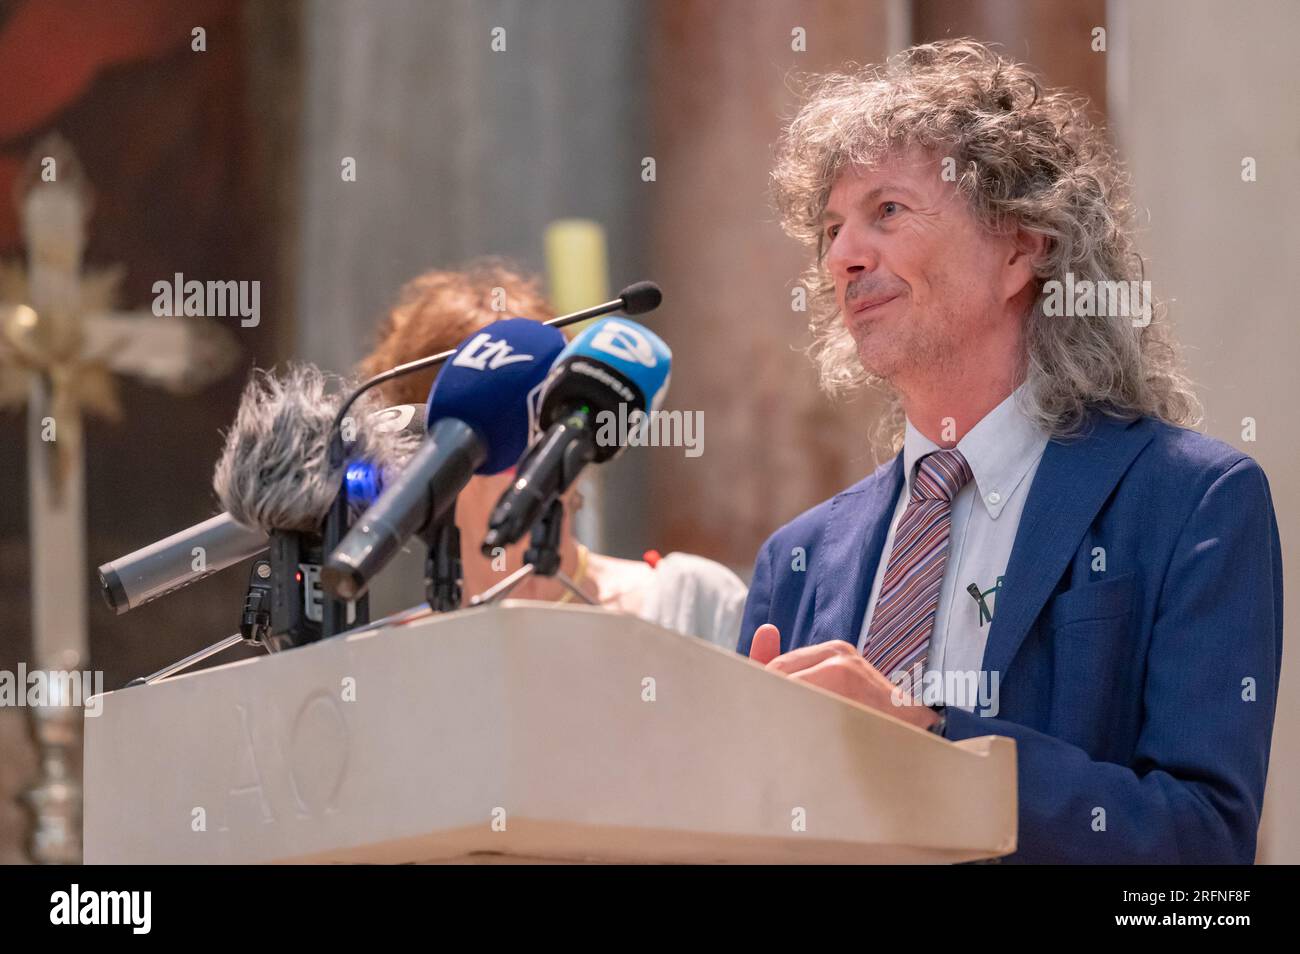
pixel 633 350
pixel 487 381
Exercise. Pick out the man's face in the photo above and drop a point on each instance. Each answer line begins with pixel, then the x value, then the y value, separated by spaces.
pixel 918 281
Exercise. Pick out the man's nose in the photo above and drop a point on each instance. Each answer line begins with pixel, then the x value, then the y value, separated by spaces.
pixel 851 253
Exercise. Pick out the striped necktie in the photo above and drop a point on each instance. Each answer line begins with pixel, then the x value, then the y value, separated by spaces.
pixel 899 637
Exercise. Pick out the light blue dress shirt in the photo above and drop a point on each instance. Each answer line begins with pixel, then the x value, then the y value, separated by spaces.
pixel 1003 451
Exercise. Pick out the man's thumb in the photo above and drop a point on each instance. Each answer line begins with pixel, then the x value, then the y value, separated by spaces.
pixel 766 645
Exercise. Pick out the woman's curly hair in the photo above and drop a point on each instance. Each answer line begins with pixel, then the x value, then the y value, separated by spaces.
pixel 439 309
pixel 1023 156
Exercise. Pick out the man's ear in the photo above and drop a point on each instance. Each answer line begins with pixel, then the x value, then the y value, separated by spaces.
pixel 1024 251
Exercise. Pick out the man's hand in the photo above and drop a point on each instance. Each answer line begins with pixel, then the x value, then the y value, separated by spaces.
pixel 838 667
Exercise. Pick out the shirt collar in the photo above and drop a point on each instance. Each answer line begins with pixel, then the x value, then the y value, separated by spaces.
pixel 1000 450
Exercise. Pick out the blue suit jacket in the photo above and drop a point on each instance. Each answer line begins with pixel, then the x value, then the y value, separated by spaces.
pixel 1141 698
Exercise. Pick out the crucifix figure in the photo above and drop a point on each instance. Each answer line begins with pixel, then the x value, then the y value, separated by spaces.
pixel 60 349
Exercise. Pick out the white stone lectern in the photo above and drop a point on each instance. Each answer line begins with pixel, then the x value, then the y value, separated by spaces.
pixel 526 731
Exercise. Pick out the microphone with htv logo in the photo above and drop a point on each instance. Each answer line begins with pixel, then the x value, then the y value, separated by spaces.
pixel 478 424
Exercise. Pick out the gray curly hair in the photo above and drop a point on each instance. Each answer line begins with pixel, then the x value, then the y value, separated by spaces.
pixel 1024 156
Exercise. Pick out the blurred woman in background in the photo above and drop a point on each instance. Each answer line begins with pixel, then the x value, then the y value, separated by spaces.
pixel 435 312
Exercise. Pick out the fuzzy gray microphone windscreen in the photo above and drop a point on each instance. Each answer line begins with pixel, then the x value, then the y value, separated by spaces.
pixel 274 470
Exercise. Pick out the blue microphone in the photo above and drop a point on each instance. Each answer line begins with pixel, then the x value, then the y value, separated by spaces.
pixel 614 362
pixel 478 418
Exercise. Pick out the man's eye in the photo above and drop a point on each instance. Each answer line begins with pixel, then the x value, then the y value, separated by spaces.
pixel 889 208
pixel 833 231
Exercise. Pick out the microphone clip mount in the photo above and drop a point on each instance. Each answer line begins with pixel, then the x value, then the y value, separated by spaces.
pixel 542 558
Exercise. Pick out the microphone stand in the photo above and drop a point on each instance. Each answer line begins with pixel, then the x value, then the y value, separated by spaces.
pixel 541 558
pixel 254 628
pixel 277 613
pixel 334 612
pixel 444 573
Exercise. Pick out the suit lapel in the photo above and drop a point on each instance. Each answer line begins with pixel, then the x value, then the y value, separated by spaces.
pixel 850 548
pixel 1073 480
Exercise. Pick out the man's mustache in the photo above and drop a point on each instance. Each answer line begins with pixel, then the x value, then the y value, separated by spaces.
pixel 870 292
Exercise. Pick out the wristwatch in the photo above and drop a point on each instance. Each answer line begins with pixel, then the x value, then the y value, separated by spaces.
pixel 938 727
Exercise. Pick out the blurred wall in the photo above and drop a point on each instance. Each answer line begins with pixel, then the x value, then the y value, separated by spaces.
pixel 462 150
pixel 1054 36
pixel 1194 91
pixel 773 444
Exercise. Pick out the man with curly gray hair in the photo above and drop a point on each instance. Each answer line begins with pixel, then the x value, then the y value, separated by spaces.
pixel 1052 555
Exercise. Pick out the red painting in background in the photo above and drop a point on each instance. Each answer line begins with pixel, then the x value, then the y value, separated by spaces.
pixel 155 123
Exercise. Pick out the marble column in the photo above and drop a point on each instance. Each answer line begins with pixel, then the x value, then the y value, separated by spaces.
pixel 773 444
